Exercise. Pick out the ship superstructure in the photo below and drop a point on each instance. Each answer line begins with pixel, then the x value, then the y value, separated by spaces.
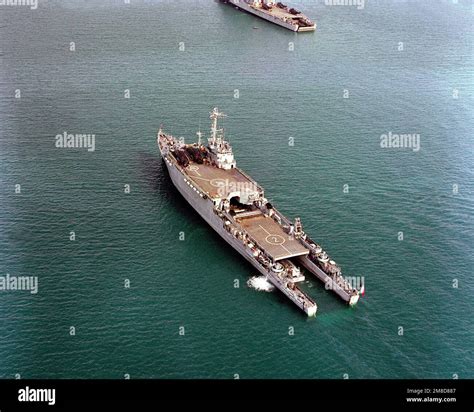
pixel 276 12
pixel 234 205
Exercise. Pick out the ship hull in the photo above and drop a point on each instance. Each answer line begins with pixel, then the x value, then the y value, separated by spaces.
pixel 204 206
pixel 323 277
pixel 242 5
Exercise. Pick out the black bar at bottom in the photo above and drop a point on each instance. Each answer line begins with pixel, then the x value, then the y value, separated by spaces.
pixel 434 394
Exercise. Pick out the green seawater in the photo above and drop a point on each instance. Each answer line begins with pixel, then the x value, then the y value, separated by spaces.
pixel 406 66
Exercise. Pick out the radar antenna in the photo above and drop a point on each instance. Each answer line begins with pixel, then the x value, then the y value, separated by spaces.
pixel 214 115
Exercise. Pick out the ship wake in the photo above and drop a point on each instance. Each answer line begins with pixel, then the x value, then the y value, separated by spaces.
pixel 260 283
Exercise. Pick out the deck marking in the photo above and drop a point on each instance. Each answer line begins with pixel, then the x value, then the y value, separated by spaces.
pixel 194 168
pixel 275 240
pixel 202 178
pixel 217 182
pixel 266 231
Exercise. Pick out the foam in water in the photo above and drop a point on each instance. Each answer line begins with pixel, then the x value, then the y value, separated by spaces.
pixel 260 283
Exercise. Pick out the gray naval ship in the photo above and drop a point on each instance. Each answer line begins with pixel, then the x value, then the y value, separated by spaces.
pixel 275 12
pixel 234 205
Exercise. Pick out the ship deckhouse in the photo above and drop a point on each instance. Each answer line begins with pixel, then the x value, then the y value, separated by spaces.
pixel 220 150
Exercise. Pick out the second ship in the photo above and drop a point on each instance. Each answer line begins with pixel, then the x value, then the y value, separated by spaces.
pixel 275 12
pixel 234 205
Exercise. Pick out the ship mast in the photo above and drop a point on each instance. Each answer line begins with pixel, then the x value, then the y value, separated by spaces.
pixel 199 135
pixel 215 138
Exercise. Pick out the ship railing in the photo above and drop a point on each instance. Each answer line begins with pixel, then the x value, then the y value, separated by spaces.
pixel 248 236
pixel 336 277
pixel 342 283
pixel 251 179
pixel 187 179
pixel 250 239
pixel 304 296
pixel 295 291
pixel 194 186
pixel 282 218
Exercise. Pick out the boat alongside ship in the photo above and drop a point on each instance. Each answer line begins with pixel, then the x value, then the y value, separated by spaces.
pixel 234 205
pixel 275 12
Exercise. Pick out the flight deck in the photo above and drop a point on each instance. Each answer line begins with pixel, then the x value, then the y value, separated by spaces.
pixel 217 182
pixel 272 238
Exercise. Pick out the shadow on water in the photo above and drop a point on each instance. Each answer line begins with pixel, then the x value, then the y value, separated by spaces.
pixel 153 172
pixel 156 177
